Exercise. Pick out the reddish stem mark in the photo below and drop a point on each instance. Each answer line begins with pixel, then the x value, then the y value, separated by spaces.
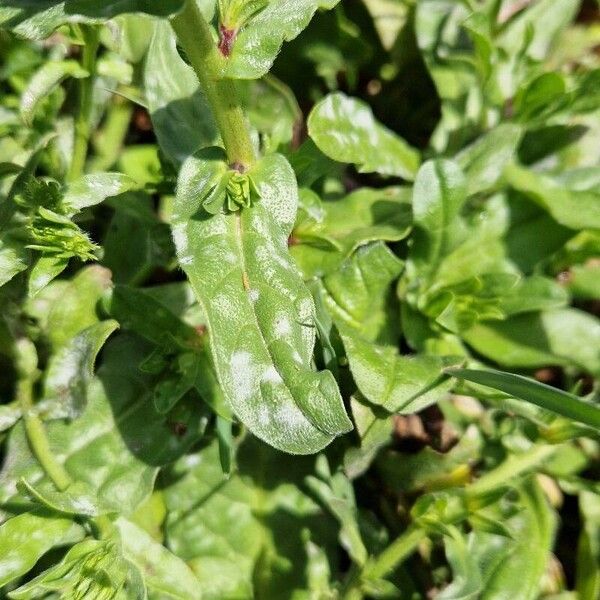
pixel 226 39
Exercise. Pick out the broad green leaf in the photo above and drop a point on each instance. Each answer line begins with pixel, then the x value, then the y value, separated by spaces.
pixel 374 428
pixel 44 81
pixel 438 195
pixel 393 381
pixel 565 336
pixel 258 42
pixel 71 370
pixel 484 160
pixel 78 499
pixel 358 294
pixel 105 447
pixel 96 568
pixel 37 19
pixel 94 188
pixel 65 308
pixel 181 117
pixel 327 232
pixel 13 259
pixel 135 224
pixel 24 539
pixel 165 574
pixel 345 129
pixel 572 208
pixel 263 555
pixel 146 315
pixel 527 553
pixel 535 392
pixel 260 316
pixel 140 312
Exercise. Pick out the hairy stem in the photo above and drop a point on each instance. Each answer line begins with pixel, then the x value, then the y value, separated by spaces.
pixel 85 101
pixel 195 37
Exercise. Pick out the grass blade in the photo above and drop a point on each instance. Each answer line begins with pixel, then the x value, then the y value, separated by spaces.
pixel 542 395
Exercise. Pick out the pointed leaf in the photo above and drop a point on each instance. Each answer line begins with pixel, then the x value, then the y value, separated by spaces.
pixel 165 574
pixel 94 188
pixel 257 44
pixel 535 392
pixel 72 368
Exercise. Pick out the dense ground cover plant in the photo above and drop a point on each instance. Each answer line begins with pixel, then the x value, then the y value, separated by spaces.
pixel 299 299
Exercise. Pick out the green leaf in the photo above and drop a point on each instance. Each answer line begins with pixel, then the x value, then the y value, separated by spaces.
pixel 374 428
pixel 535 392
pixel 358 294
pixel 396 382
pixel 165 574
pixel 105 446
pixel 44 81
pixel 44 271
pixel 258 42
pixel 66 307
pixel 96 568
pixel 94 188
pixel 484 160
pixel 78 499
pixel 263 555
pixel 466 582
pixel 345 129
pixel 572 208
pixel 37 19
pixel 326 233
pixel 180 115
pixel 540 23
pixel 260 316
pixel 526 553
pixel 24 539
pixel 13 258
pixel 438 195
pixel 71 369
pixel 565 336
pixel 588 551
pixel 135 224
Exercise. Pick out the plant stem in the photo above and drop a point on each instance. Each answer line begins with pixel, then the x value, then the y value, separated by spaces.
pixel 399 550
pixel 85 101
pixel 195 37
pixel 36 435
pixel 512 468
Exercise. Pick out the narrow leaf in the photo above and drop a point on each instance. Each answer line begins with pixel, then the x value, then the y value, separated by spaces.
pixel 543 395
